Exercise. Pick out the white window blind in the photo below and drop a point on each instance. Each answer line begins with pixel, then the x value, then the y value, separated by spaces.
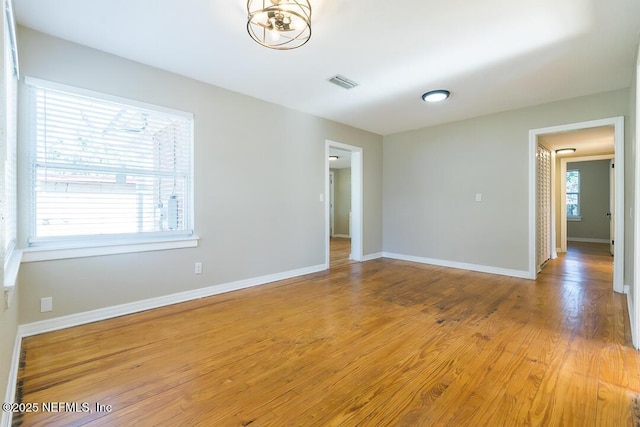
pixel 107 168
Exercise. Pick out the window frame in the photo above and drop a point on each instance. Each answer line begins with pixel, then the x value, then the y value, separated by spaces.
pixel 577 217
pixel 96 245
pixel 12 255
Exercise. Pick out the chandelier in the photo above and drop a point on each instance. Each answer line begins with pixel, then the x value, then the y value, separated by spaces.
pixel 279 24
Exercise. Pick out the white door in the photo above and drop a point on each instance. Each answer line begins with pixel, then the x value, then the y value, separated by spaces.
pixel 612 204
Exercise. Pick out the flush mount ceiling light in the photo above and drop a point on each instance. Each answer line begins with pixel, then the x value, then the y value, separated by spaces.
pixel 436 95
pixel 333 157
pixel 279 24
pixel 566 151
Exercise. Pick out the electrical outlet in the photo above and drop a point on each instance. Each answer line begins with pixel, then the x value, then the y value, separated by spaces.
pixel 198 268
pixel 46 304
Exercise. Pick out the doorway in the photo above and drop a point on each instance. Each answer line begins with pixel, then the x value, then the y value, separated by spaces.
pixel 538 135
pixel 339 207
pixel 343 218
pixel 607 216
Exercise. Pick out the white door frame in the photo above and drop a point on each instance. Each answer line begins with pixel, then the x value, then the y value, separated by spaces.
pixel 634 302
pixel 332 199
pixel 563 192
pixel 618 124
pixel 357 210
pixel 612 204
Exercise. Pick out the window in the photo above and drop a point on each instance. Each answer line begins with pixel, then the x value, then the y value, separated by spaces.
pixel 573 194
pixel 105 168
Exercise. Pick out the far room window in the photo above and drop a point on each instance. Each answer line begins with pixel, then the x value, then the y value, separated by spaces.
pixel 107 168
pixel 573 194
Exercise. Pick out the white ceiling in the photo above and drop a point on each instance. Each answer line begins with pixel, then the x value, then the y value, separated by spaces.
pixel 587 142
pixel 493 55
pixel 343 161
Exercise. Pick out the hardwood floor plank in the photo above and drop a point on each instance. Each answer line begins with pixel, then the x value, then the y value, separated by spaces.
pixel 513 409
pixel 617 405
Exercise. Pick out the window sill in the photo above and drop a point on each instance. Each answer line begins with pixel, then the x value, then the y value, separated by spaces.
pixel 11 267
pixel 574 218
pixel 50 253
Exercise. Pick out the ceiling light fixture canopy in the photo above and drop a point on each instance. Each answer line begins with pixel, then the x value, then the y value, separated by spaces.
pixel 565 151
pixel 279 24
pixel 436 95
pixel 333 157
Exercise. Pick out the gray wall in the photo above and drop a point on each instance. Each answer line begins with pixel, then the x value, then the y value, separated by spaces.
pixel 257 208
pixel 594 201
pixel 431 177
pixel 342 202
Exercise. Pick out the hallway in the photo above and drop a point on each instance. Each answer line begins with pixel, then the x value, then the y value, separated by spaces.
pixel 340 249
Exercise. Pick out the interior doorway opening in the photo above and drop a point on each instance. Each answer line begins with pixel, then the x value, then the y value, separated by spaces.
pixel 606 215
pixel 572 134
pixel 343 204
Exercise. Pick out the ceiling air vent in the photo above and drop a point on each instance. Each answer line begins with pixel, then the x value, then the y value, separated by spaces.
pixel 343 82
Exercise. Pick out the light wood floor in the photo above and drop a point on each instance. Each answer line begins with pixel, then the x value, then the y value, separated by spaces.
pixel 377 343
pixel 340 249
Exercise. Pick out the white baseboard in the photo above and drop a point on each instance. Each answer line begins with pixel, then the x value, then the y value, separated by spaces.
pixel 10 395
pixel 372 256
pixel 587 240
pixel 344 236
pixel 69 321
pixel 461 265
